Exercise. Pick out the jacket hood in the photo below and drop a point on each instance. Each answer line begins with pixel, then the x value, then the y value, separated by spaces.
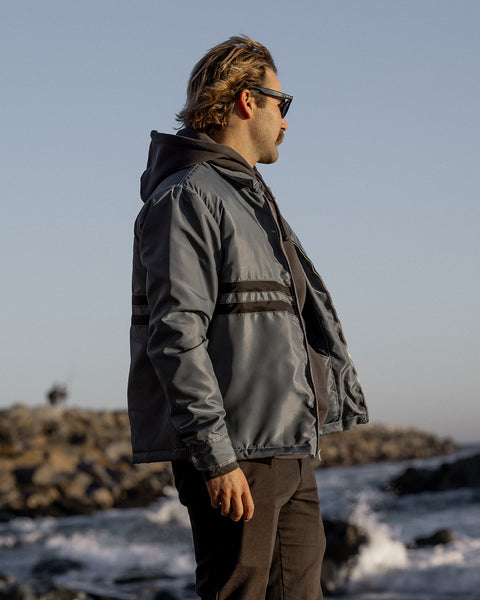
pixel 170 153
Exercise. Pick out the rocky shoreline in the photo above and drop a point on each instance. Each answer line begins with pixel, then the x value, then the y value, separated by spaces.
pixel 59 461
pixel 380 443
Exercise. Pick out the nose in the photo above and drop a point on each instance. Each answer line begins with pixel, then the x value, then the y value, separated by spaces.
pixel 284 125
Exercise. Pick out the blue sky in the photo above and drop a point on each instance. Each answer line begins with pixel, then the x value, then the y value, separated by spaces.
pixel 378 175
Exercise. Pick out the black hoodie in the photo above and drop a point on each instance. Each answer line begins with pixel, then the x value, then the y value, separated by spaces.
pixel 170 153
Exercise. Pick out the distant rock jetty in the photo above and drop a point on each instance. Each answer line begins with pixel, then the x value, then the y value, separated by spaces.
pixel 60 461
pixel 380 443
pixel 463 473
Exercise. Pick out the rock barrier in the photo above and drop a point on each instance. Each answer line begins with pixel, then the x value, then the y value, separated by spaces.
pixel 380 443
pixel 463 473
pixel 58 461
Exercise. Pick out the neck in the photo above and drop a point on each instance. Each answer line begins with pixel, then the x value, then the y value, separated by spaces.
pixel 237 141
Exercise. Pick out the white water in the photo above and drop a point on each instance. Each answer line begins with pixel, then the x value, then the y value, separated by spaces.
pixel 386 569
pixel 152 546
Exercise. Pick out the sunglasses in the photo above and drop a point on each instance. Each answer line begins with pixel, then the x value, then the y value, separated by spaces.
pixel 286 100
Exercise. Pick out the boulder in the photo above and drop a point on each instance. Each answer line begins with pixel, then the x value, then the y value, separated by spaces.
pixel 7 481
pixel 442 536
pixel 63 459
pixel 464 472
pixel 24 475
pixel 343 545
pixel 17 591
pixel 167 595
pixel 39 502
pixel 55 566
pixel 30 457
pixel 102 497
pixel 45 476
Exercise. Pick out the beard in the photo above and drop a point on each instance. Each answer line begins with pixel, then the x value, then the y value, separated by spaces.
pixel 272 154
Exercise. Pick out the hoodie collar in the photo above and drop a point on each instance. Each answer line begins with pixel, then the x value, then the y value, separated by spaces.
pixel 170 153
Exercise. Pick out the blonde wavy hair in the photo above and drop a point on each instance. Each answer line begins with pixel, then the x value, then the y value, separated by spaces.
pixel 218 78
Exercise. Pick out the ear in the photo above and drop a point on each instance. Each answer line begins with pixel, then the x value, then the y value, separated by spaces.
pixel 246 104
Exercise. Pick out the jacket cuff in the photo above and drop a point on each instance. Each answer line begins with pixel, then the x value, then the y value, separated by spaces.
pixel 212 473
pixel 213 455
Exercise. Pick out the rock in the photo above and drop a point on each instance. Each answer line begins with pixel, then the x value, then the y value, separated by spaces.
pixel 31 457
pixel 461 473
pixel 45 476
pixel 17 591
pixel 63 459
pixel 6 516
pixel 99 473
pixel 61 593
pixel 71 506
pixel 7 481
pixel 98 591
pixel 77 486
pixel 55 566
pixel 77 439
pixel 166 595
pixel 24 475
pixel 343 544
pixel 9 448
pixel 442 536
pixel 102 497
pixel 40 501
pixel 343 540
pixel 119 450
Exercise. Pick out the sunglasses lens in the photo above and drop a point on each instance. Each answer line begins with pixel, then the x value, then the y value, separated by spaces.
pixel 284 106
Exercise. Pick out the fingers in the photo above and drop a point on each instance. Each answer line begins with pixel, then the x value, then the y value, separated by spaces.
pixel 248 505
pixel 229 506
pixel 214 495
pixel 231 495
pixel 237 507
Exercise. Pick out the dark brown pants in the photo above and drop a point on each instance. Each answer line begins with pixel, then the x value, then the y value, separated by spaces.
pixel 277 555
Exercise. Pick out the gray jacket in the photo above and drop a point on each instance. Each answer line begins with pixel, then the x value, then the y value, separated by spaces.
pixel 219 363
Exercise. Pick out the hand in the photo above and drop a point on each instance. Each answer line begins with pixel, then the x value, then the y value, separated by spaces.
pixel 231 494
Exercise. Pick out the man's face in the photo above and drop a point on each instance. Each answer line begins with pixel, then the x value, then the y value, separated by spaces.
pixel 268 126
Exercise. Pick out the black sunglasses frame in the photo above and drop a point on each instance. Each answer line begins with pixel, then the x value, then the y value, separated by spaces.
pixel 286 99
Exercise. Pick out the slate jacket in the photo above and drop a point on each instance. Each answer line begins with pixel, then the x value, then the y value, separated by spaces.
pixel 219 364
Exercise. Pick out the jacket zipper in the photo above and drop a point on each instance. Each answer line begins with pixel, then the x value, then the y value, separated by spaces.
pixel 297 311
pixel 335 314
pixel 300 249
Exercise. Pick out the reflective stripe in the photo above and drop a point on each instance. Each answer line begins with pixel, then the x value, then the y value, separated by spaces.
pixel 140 319
pixel 139 300
pixel 253 286
pixel 228 308
pixel 252 307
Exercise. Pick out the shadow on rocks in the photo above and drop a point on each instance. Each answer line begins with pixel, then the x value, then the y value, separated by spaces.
pixel 344 541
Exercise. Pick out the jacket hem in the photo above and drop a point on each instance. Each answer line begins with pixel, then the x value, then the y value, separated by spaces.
pixel 343 425
pixel 240 454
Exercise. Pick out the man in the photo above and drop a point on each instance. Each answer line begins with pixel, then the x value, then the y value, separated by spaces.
pixel 239 363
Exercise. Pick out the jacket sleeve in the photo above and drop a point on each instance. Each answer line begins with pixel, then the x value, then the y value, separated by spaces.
pixel 181 251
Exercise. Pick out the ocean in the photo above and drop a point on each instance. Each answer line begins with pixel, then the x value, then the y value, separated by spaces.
pixel 134 553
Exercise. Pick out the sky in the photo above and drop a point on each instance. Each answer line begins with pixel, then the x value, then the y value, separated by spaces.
pixel 378 175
